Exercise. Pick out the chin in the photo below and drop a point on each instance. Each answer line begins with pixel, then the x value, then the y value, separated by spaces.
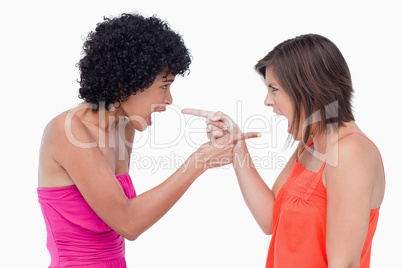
pixel 140 126
pixel 141 129
pixel 297 138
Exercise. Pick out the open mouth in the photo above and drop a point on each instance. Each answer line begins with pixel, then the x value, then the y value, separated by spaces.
pixel 157 110
pixel 160 109
pixel 279 114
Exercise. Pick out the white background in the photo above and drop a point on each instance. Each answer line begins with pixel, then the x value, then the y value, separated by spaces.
pixel 210 226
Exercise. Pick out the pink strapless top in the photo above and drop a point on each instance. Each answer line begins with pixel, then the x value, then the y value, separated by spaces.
pixel 76 236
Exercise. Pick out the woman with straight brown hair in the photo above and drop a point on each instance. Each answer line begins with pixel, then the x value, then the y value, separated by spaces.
pixel 323 208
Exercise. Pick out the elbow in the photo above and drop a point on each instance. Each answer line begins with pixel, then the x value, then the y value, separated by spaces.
pixel 130 235
pixel 267 231
pixel 129 227
pixel 266 228
pixel 130 232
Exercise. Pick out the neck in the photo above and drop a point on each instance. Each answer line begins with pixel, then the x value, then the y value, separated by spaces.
pixel 322 143
pixel 103 118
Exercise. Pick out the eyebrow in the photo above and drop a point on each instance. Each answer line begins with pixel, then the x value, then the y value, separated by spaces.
pixel 164 79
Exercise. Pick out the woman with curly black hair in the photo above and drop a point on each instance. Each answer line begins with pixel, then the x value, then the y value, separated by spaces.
pixel 84 189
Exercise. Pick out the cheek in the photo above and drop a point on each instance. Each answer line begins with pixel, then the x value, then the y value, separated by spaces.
pixel 289 107
pixel 284 106
pixel 138 109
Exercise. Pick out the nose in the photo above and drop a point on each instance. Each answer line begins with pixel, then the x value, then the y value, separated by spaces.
pixel 168 98
pixel 268 100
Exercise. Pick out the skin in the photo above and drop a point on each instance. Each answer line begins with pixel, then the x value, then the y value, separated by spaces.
pixel 85 148
pixel 353 177
pixel 279 100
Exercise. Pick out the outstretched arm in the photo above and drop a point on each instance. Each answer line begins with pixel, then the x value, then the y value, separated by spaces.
pixel 256 193
pixel 97 183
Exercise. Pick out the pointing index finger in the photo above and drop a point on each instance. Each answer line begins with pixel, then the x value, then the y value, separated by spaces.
pixel 248 135
pixel 197 112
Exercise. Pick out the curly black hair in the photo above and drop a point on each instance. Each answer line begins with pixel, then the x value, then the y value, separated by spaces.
pixel 125 54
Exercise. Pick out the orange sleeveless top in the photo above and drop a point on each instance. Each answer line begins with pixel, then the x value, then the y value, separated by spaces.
pixel 299 222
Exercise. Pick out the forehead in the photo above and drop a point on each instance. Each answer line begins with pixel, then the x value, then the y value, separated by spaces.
pixel 270 76
pixel 164 77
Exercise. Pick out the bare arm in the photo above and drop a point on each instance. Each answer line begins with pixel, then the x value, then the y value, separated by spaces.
pixel 97 183
pixel 256 193
pixel 350 187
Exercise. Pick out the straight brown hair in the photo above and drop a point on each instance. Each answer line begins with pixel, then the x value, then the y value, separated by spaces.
pixel 313 72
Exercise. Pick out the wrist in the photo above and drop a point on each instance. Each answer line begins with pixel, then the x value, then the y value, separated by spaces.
pixel 197 162
pixel 241 156
pixel 240 148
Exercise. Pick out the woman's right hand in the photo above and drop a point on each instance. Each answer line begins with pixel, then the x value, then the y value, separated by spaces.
pixel 223 134
pixel 218 123
pixel 256 193
pixel 219 151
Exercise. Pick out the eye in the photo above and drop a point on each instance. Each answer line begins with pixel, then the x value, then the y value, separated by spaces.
pixel 273 88
pixel 165 86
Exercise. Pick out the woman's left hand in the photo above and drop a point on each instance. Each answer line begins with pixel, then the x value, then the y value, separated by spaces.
pixel 218 123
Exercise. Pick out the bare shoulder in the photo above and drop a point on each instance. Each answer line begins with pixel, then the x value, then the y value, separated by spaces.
pixel 60 134
pixel 68 127
pixel 54 125
pixel 355 163
pixel 50 173
pixel 355 149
